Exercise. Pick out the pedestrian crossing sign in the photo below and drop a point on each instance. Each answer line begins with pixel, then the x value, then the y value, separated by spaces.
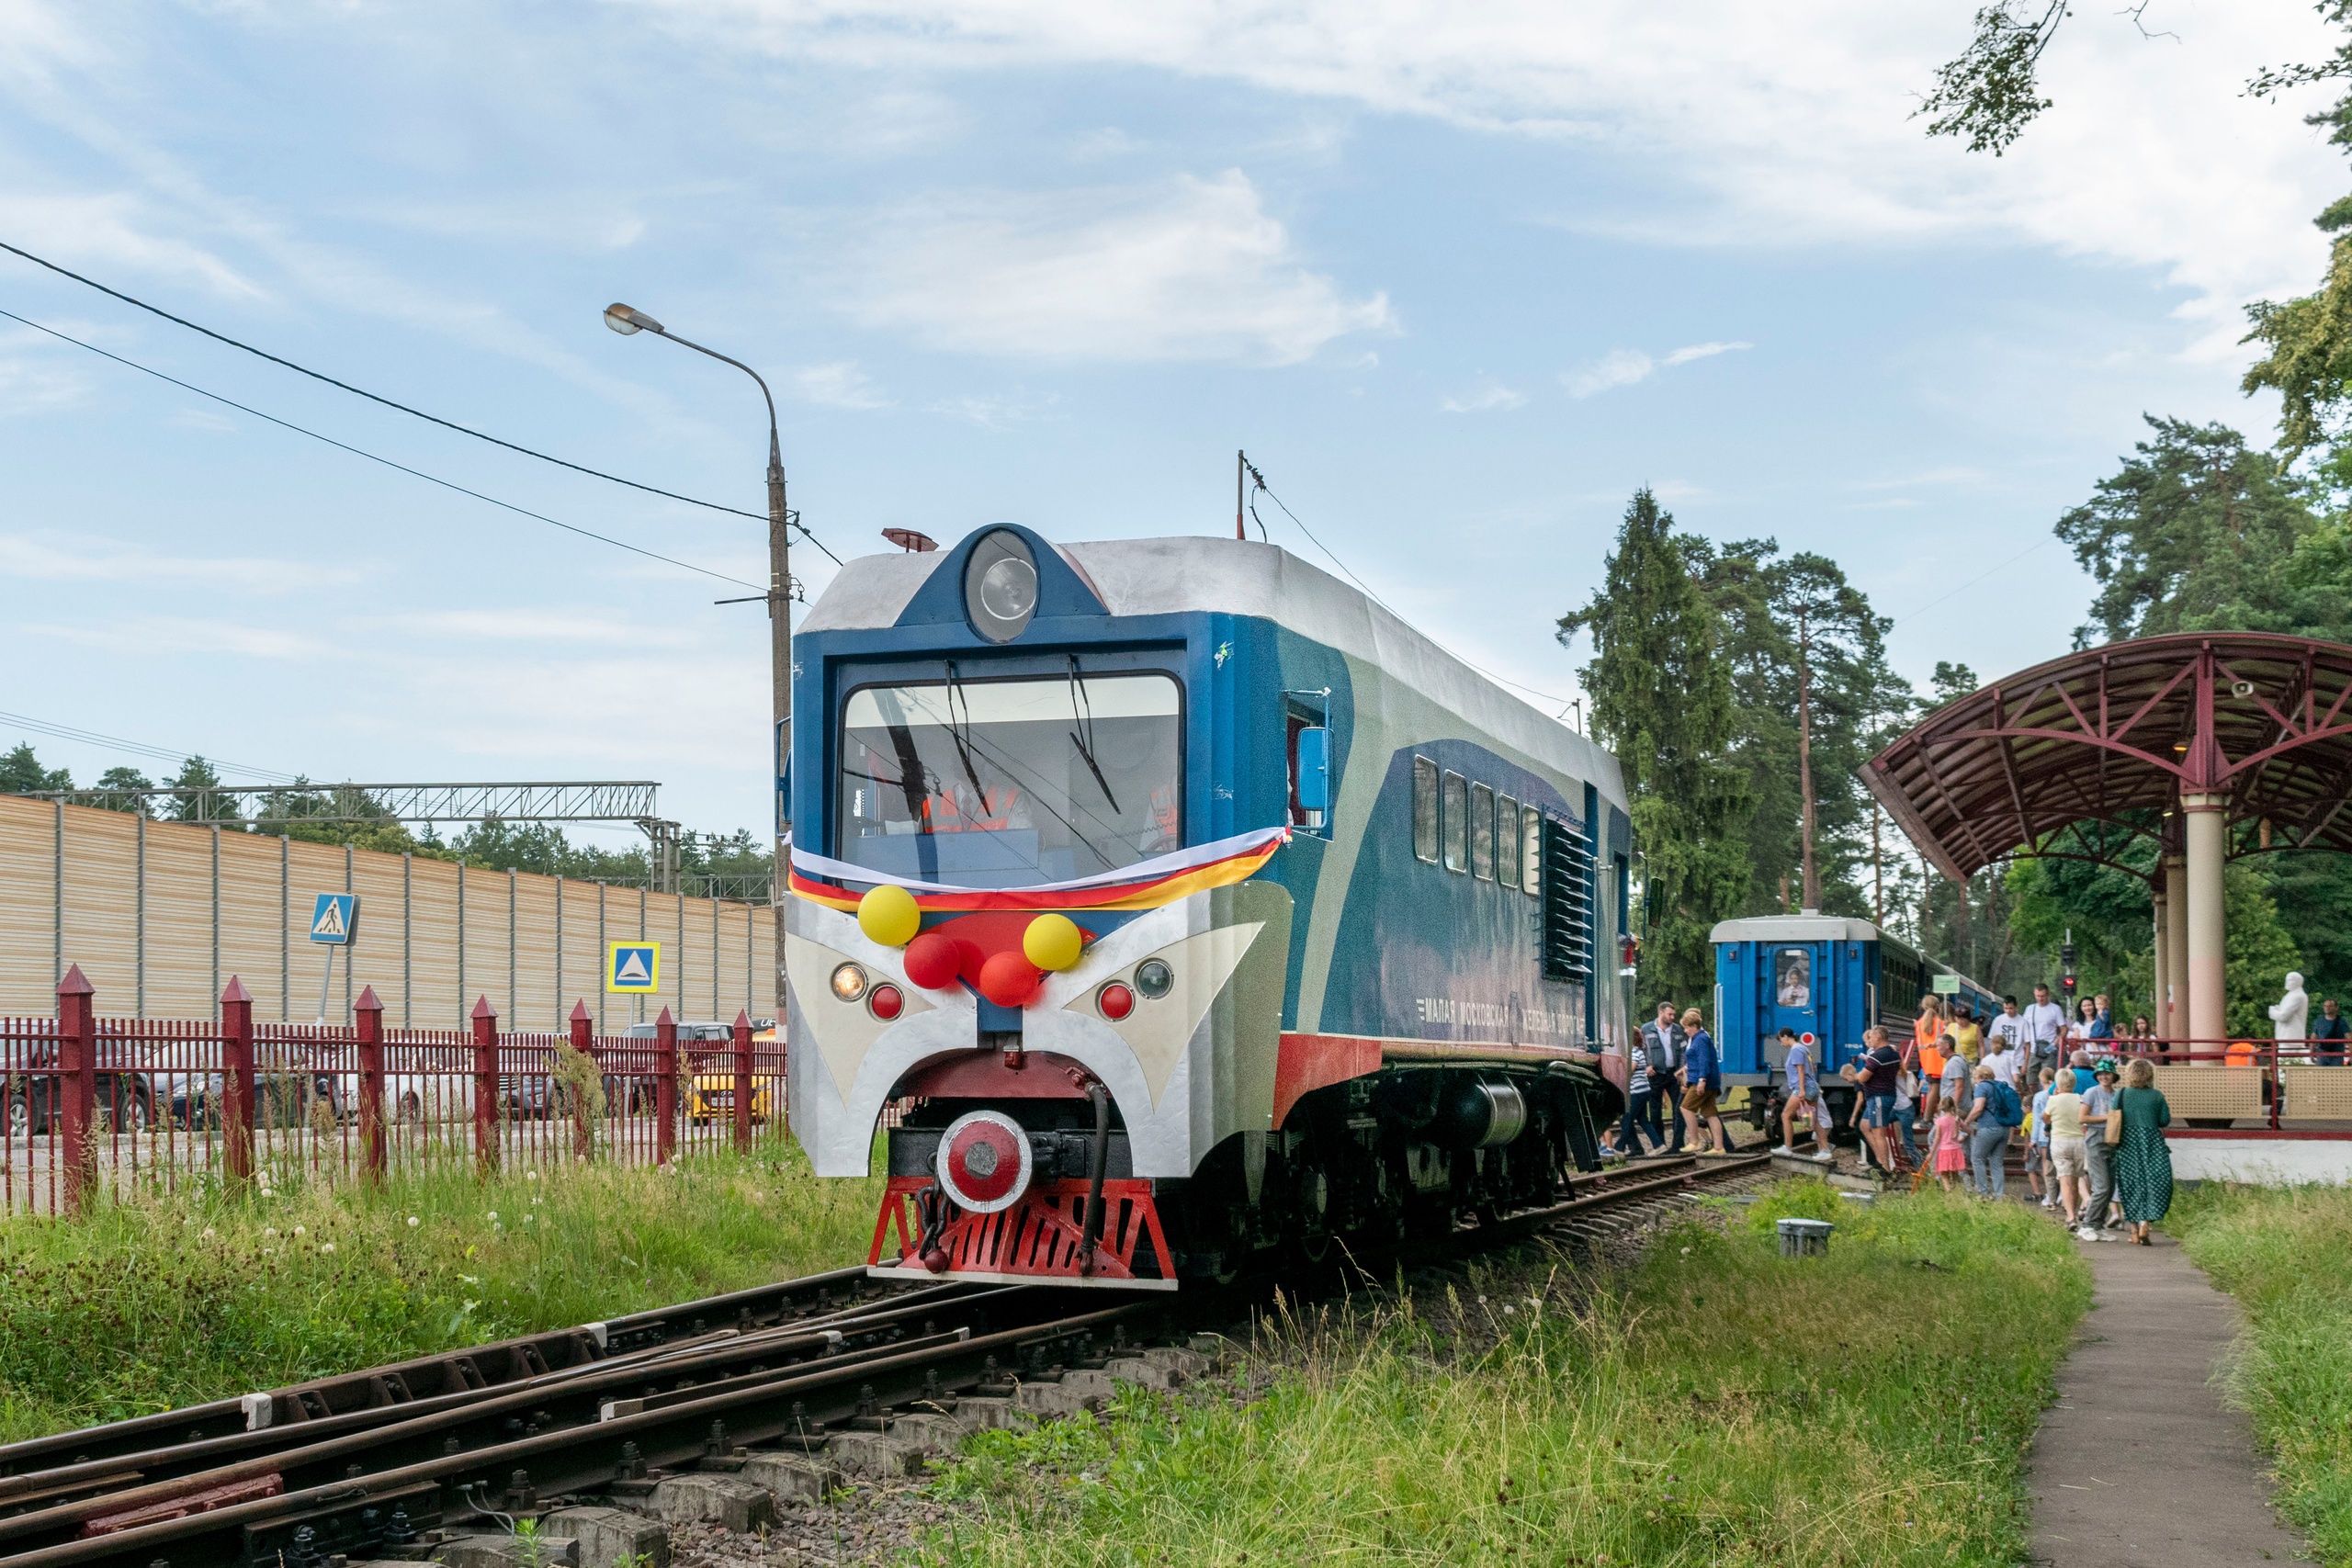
pixel 333 918
pixel 633 967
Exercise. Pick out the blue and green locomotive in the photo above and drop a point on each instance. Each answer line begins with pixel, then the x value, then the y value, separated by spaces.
pixel 1189 905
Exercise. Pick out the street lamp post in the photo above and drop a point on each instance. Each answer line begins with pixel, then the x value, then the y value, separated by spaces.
pixel 626 322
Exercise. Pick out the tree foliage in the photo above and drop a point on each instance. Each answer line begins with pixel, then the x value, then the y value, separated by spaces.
pixel 2193 532
pixel 1988 93
pixel 1661 698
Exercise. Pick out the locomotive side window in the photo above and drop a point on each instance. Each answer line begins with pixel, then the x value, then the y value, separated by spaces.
pixel 1507 852
pixel 1531 848
pixel 1453 822
pixel 1482 833
pixel 1425 810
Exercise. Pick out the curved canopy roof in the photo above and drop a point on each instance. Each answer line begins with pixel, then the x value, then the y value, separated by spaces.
pixel 2110 738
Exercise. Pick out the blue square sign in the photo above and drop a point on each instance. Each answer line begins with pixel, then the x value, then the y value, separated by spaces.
pixel 334 918
pixel 633 967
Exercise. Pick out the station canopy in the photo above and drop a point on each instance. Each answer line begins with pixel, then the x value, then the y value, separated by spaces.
pixel 2107 741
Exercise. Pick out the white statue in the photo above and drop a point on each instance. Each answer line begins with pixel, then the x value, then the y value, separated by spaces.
pixel 2290 1011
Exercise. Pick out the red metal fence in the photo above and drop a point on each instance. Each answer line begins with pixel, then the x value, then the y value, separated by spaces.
pixel 97 1106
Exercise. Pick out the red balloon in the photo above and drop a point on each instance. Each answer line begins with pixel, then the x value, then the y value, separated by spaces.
pixel 931 961
pixel 1009 979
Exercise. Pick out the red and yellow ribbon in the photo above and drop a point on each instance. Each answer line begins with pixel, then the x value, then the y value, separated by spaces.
pixel 1147 885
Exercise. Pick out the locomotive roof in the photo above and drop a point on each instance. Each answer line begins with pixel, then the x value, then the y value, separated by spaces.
pixel 1794 927
pixel 1196 573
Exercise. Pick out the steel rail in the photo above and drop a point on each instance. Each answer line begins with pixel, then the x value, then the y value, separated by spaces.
pixel 110 1485
pixel 796 1404
pixel 492 1365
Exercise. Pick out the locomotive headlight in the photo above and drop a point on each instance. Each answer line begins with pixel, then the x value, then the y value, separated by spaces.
pixel 1153 978
pixel 1000 585
pixel 849 982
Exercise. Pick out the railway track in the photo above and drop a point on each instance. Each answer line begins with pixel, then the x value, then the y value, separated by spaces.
pixel 712 1406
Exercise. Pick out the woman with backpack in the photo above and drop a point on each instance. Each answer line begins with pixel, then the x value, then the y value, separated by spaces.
pixel 1996 1110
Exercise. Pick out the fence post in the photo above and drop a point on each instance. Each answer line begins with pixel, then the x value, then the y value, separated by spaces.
pixel 237 1072
pixel 485 1088
pixel 583 1147
pixel 665 1088
pixel 742 1082
pixel 370 1014
pixel 76 1093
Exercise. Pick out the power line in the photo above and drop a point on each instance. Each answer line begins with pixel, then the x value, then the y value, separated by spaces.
pixel 389 403
pixel 1259 483
pixel 1963 586
pixel 373 458
pixel 135 748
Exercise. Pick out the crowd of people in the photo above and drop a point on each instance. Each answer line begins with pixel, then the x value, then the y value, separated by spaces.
pixel 2092 1128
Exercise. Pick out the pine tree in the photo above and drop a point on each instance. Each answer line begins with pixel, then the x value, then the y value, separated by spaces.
pixel 1661 699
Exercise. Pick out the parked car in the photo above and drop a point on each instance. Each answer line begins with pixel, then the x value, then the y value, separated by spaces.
pixel 126 1095
pixel 633 1091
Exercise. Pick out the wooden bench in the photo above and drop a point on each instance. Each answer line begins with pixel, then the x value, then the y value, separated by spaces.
pixel 2316 1094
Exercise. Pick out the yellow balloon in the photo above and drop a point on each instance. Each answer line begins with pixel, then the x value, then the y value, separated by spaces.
pixel 1052 942
pixel 887 915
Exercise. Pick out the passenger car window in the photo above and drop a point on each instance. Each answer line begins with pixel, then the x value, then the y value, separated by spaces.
pixel 1530 845
pixel 1507 853
pixel 1482 833
pixel 1453 822
pixel 1424 809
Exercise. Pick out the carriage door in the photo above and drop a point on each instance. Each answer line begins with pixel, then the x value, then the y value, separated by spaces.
pixel 1796 981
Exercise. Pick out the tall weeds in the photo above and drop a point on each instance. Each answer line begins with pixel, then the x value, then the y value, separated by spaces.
pixel 162 1302
pixel 1717 1404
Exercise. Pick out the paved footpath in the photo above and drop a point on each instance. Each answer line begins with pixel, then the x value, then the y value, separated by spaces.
pixel 2139 1464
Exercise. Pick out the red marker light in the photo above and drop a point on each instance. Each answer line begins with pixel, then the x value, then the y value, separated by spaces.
pixel 1115 1002
pixel 1806 1038
pixel 885 1003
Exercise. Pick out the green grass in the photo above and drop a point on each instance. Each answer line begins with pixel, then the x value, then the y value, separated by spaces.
pixel 163 1301
pixel 2286 1254
pixel 1716 1405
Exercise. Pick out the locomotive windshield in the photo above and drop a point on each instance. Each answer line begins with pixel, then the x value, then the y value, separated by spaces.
pixel 1001 784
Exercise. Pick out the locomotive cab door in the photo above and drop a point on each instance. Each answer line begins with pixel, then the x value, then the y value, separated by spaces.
pixel 1796 990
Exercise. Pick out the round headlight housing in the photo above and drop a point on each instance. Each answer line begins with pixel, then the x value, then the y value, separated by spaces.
pixel 849 982
pixel 1153 978
pixel 1000 585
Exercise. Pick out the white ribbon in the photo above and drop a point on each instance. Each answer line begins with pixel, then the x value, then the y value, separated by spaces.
pixel 1151 870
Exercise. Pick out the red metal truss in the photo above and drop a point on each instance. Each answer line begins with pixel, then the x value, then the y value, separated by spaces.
pixel 2110 737
pixel 1038 1237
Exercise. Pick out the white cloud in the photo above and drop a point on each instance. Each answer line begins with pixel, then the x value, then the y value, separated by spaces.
pixel 1191 269
pixel 519 623
pixel 1492 397
pixel 1769 124
pixel 146 636
pixel 1625 366
pixel 51 557
pixel 840 384
pixel 999 411
pixel 1684 355
pixel 1617 367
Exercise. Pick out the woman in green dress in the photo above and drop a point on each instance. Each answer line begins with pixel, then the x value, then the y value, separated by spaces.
pixel 2143 1164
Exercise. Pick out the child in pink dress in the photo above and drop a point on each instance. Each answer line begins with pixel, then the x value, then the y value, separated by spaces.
pixel 1949 1158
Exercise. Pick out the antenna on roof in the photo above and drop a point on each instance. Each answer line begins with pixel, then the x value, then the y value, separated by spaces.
pixel 910 541
pixel 1240 475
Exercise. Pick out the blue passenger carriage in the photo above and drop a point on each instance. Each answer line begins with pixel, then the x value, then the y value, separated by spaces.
pixel 1192 905
pixel 1828 977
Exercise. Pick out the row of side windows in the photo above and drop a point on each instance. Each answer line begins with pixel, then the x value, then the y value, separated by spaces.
pixel 1468 827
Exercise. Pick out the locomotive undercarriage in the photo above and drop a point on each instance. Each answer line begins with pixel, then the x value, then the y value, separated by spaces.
pixel 1405 1153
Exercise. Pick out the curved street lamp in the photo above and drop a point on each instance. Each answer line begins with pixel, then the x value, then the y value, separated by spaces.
pixel 629 321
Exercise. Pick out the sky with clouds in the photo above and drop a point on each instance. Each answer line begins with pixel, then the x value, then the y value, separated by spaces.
pixel 1458 277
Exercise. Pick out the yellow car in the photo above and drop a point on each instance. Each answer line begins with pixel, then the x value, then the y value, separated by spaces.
pixel 710 1094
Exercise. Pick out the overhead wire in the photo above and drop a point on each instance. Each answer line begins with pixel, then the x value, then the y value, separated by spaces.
pixel 792 520
pixel 389 463
pixel 136 748
pixel 1259 483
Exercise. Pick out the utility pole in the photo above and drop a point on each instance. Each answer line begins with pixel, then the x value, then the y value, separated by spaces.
pixel 625 320
pixel 1878 872
pixel 1240 478
pixel 1804 752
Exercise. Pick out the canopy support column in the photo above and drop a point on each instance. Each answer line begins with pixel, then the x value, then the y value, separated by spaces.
pixel 2160 955
pixel 2176 1025
pixel 2205 827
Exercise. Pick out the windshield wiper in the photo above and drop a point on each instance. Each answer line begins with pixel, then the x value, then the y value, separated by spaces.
pixel 1085 721
pixel 956 731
